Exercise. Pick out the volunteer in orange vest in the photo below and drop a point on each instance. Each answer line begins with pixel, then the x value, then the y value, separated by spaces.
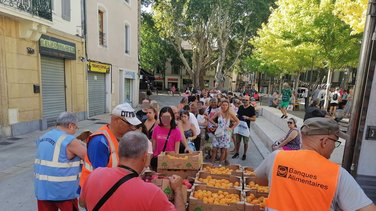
pixel 102 146
pixel 306 179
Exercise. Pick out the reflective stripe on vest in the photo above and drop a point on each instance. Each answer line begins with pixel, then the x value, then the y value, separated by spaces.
pixel 113 152
pixel 57 164
pixel 57 179
pixel 113 157
pixel 302 180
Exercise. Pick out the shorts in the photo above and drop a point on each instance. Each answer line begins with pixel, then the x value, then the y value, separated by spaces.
pixel 67 205
pixel 284 104
pixel 238 139
pixel 334 104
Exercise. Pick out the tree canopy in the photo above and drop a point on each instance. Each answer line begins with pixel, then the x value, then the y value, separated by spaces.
pixel 216 31
pixel 300 34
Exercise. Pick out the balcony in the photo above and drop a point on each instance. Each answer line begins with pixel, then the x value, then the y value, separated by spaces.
pixel 40 8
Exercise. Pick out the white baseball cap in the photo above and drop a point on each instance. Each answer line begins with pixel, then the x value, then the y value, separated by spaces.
pixel 126 112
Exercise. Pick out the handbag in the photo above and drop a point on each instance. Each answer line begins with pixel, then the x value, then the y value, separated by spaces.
pixel 242 129
pixel 154 160
pixel 219 132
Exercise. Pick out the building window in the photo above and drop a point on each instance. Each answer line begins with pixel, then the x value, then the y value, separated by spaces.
pixel 127 39
pixel 101 30
pixel 66 10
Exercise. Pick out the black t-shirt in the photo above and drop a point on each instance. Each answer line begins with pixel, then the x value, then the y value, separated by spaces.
pixel 249 112
pixel 141 115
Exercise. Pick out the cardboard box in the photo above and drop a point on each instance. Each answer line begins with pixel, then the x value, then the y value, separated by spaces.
pixel 197 204
pixel 252 207
pixel 248 172
pixel 254 190
pixel 192 161
pixel 185 174
pixel 232 179
pixel 236 169
pixel 164 184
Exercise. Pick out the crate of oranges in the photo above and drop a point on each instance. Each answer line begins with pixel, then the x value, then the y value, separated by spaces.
pixel 213 199
pixel 248 172
pixel 251 185
pixel 219 181
pixel 254 202
pixel 171 160
pixel 234 170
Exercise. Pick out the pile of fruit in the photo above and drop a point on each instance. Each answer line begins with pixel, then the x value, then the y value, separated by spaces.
pixel 218 183
pixel 218 198
pixel 177 158
pixel 256 201
pixel 253 186
pixel 248 172
pixel 218 170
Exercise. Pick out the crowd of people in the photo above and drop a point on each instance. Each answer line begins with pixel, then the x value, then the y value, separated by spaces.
pixel 338 100
pixel 117 153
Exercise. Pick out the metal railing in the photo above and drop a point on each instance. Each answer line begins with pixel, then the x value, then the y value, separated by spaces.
pixel 40 8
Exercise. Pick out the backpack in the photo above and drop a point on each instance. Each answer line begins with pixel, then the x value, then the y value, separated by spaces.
pixel 335 96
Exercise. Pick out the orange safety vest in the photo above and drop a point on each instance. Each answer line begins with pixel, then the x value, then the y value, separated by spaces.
pixel 302 180
pixel 114 157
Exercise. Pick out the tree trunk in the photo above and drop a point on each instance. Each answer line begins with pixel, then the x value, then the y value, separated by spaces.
pixel 297 82
pixel 328 83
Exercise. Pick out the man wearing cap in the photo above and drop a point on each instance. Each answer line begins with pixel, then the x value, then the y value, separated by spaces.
pixel 102 146
pixel 306 179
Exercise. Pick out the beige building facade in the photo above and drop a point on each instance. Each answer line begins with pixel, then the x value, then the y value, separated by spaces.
pixel 41 74
pixel 112 54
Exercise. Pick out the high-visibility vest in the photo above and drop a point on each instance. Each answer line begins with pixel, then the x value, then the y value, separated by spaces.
pixel 302 180
pixel 113 144
pixel 56 176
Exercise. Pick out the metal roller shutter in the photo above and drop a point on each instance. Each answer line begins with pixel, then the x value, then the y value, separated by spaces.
pixel 97 93
pixel 53 89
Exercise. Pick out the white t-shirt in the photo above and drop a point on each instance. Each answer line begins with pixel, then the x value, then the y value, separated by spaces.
pixel 201 120
pixel 349 195
pixel 194 121
pixel 331 97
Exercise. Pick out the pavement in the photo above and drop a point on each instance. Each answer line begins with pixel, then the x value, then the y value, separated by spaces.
pixel 17 155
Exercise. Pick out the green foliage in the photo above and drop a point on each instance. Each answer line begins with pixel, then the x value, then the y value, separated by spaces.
pixel 154 49
pixel 215 30
pixel 302 34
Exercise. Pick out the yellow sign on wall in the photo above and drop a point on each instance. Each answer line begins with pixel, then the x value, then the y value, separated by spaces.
pixel 99 67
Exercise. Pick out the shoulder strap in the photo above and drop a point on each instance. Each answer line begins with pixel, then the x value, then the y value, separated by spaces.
pixel 113 189
pixel 168 136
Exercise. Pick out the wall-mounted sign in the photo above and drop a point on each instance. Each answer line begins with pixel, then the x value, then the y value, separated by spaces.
pixel 129 74
pixel 158 78
pixel 99 67
pixel 172 79
pixel 51 46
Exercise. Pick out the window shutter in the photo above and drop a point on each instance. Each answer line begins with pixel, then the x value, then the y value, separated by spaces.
pixel 66 10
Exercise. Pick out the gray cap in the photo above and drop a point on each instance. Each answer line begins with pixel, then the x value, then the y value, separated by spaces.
pixel 321 126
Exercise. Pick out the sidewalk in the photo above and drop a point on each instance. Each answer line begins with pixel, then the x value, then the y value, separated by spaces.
pixel 17 156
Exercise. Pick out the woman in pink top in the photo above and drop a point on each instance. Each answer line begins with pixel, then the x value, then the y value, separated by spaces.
pixel 161 131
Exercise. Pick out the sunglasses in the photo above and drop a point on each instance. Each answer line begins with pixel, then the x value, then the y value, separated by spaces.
pixel 289 122
pixel 336 142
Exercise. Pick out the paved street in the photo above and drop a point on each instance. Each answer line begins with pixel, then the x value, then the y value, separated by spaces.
pixel 17 156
